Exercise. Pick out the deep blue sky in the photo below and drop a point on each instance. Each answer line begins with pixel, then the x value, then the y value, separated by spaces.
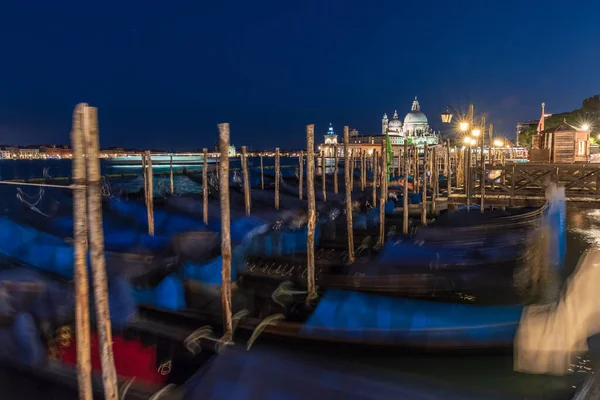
pixel 163 73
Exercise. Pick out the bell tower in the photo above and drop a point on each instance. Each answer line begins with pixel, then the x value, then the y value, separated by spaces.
pixel 384 124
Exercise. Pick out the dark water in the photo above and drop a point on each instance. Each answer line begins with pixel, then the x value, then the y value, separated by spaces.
pixel 488 373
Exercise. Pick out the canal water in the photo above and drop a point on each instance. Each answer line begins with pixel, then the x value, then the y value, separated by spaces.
pixel 488 374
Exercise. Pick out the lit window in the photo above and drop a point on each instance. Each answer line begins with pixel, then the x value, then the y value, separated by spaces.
pixel 581 148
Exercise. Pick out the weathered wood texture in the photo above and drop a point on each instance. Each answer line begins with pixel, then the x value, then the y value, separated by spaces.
pixel 205 186
pixel 348 176
pixel 247 194
pixel 225 232
pixel 312 213
pixel 80 273
pixel 96 242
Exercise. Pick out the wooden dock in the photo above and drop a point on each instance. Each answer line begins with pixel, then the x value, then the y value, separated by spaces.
pixel 525 184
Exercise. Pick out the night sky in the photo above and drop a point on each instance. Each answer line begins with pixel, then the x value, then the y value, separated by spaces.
pixel 163 73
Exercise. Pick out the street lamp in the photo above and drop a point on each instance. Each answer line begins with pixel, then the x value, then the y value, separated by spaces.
pixel 446 116
pixel 473 142
pixel 467 140
pixel 464 126
pixel 585 127
pixel 475 132
pixel 498 143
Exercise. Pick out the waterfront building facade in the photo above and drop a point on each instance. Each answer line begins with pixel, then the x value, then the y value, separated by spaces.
pixel 414 128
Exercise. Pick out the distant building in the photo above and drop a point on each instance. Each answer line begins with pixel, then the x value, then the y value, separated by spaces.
pixel 414 128
pixel 31 151
pixel 561 144
pixel 55 151
pixel 330 136
pixel 8 152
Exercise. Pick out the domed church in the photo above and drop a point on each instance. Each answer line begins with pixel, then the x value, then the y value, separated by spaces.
pixel 415 127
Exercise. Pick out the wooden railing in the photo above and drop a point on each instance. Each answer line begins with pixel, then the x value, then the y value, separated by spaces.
pixel 532 179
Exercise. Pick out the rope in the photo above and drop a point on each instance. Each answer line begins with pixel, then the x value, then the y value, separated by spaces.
pixel 105 189
pixel 42 185
pixel 162 391
pixel 33 207
pixel 192 342
pixel 238 317
pixel 284 289
pixel 270 320
pixel 125 389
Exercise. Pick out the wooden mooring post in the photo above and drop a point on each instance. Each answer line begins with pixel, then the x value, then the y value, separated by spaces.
pixel 205 186
pixel 301 173
pixel 351 169
pixel 149 193
pixel 312 213
pixel 247 193
pixel 348 200
pixel 363 169
pixel 375 178
pixel 424 193
pixel 277 178
pixel 416 169
pixel 448 169
pixel 382 195
pixel 225 232
pixel 80 272
pixel 96 241
pixel 405 199
pixel 435 180
pixel 171 175
pixel 262 173
pixel 323 174
pixel 335 170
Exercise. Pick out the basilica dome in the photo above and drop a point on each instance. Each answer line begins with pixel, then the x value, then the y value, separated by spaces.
pixel 415 116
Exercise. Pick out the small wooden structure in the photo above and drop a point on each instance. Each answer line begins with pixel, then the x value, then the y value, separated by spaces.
pixel 561 144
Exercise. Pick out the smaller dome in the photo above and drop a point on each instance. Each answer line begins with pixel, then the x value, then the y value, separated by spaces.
pixel 395 124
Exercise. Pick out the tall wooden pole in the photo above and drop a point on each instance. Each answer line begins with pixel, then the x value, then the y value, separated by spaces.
pixel 96 241
pixel 301 172
pixel 262 173
pixel 323 174
pixel 434 180
pixel 351 169
pixel 225 232
pixel 171 174
pixel 277 178
pixel 335 169
pixel 416 184
pixel 80 273
pixel 312 213
pixel 382 195
pixel 483 179
pixel 205 186
pixel 449 169
pixel 375 178
pixel 246 180
pixel 424 192
pixel 405 200
pixel 363 168
pixel 150 193
pixel 143 155
pixel 347 177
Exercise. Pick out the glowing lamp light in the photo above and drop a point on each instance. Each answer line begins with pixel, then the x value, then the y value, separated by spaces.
pixel 473 141
pixel 467 140
pixel 476 132
pixel 464 126
pixel 446 116
pixel 498 143
pixel 585 127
